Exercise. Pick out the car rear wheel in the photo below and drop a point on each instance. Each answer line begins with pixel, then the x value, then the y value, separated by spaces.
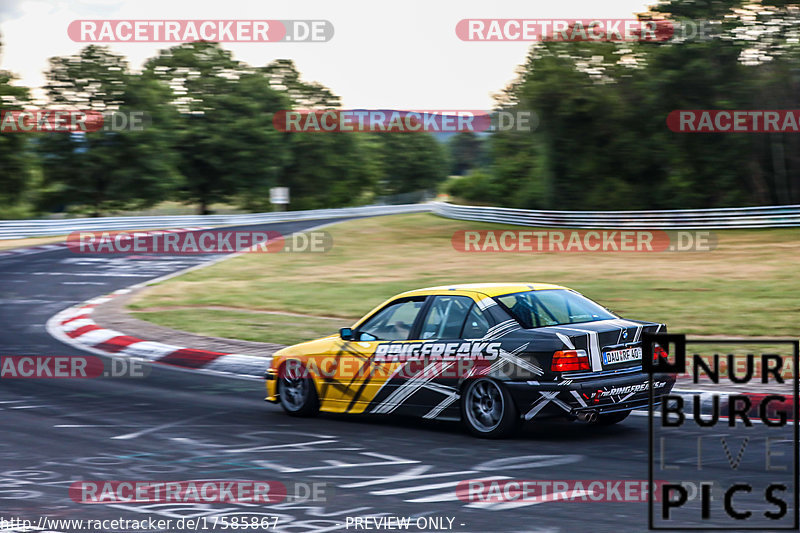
pixel 296 390
pixel 488 410
pixel 611 418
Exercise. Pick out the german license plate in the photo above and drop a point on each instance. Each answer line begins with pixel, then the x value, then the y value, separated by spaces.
pixel 622 356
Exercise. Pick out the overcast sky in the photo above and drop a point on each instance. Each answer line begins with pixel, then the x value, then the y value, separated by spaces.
pixel 400 54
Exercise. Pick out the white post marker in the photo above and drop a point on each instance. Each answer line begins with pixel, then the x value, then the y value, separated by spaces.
pixel 279 196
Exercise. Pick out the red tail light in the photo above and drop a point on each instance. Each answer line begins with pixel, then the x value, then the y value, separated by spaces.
pixel 659 353
pixel 570 360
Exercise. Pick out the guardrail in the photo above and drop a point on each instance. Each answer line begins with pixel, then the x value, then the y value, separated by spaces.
pixel 722 218
pixel 14 229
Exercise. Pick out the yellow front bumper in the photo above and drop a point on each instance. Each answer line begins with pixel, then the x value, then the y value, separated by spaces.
pixel 272 385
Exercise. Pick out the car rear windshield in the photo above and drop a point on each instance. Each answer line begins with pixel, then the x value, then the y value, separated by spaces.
pixel 553 307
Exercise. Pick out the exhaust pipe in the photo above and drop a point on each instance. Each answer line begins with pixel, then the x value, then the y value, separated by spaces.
pixel 586 416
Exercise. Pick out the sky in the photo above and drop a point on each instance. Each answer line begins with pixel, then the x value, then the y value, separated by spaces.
pixel 384 54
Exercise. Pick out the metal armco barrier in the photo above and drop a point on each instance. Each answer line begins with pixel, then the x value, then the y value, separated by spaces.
pixel 14 229
pixel 723 218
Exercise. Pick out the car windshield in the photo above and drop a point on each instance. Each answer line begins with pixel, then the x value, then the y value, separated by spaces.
pixel 553 307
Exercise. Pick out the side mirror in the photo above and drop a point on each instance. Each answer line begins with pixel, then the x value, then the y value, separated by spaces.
pixel 346 334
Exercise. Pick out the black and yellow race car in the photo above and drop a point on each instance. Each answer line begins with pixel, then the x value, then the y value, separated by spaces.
pixel 492 355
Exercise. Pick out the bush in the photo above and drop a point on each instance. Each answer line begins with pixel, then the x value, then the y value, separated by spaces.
pixel 477 186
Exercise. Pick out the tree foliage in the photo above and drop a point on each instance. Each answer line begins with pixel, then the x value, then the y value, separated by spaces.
pixel 14 148
pixel 603 142
pixel 107 169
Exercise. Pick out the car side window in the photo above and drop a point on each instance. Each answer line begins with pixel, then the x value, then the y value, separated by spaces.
pixel 393 322
pixel 477 325
pixel 445 318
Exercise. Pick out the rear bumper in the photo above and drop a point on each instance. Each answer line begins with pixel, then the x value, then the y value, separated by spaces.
pixel 602 395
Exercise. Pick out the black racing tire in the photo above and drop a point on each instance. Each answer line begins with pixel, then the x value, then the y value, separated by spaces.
pixel 487 409
pixel 611 418
pixel 296 390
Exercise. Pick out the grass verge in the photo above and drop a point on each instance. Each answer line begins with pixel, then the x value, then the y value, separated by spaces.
pixel 748 285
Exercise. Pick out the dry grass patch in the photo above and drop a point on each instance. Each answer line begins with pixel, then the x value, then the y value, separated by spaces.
pixel 747 286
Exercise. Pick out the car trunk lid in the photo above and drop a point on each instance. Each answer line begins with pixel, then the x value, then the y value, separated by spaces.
pixel 611 344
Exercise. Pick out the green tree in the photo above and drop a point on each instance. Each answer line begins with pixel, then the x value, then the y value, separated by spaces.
pixel 107 169
pixel 226 145
pixel 323 169
pixel 284 76
pixel 410 162
pixel 602 140
pixel 14 161
pixel 329 170
pixel 467 151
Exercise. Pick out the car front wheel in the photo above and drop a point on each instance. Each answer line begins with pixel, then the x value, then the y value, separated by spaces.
pixel 488 410
pixel 296 390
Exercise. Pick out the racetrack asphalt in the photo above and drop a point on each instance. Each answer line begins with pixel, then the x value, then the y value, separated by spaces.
pixel 177 425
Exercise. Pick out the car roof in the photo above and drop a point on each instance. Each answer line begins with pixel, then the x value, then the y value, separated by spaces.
pixel 487 289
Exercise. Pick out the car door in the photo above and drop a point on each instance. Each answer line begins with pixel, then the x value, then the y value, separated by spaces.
pixel 361 376
pixel 448 320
